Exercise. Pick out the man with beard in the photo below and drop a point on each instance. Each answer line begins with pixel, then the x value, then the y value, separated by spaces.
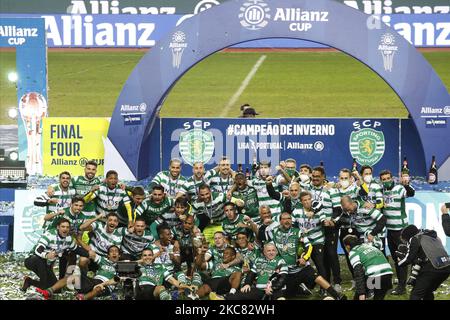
pixel 157 209
pixel 171 180
pixel 248 194
pixel 104 236
pixel 394 210
pixel 135 239
pixel 209 210
pixel 234 223
pixel 58 196
pixel 50 246
pixel 84 184
pixel 109 195
pixel 222 180
pixel 295 250
pixel 258 182
pixel 199 177
pixel 137 196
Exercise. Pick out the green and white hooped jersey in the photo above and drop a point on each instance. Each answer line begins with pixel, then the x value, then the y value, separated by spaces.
pixel 153 275
pixel 250 198
pixel 373 260
pixel 133 244
pixel 366 219
pixel 337 194
pixel 171 186
pixel 231 228
pixel 76 220
pixel 322 195
pixel 265 268
pixel 82 187
pixel 218 272
pixel 219 184
pixel 151 211
pixel 216 254
pixel 394 208
pixel 212 209
pixel 108 200
pixel 51 241
pixel 375 194
pixel 191 186
pixel 249 255
pixel 287 243
pixel 196 279
pixel 263 195
pixel 106 270
pixel 310 227
pixel 64 198
pixel 102 240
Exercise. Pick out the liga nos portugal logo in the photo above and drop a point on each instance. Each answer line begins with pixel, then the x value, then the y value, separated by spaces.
pixel 367 146
pixel 196 145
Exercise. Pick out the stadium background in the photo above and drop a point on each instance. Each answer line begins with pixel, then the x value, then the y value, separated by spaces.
pixel 302 81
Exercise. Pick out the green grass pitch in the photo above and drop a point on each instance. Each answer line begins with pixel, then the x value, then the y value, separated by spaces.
pixel 287 84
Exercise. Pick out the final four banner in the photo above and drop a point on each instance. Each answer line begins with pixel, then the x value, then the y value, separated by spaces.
pixel 336 142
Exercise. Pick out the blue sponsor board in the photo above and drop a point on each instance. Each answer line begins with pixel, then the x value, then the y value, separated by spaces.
pixel 335 142
pixel 132 119
pixel 143 30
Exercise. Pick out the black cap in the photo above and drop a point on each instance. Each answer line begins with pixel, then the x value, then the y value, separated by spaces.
pixel 249 112
pixel 409 231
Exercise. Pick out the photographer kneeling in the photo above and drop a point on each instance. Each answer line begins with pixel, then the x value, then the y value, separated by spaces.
pixel 432 263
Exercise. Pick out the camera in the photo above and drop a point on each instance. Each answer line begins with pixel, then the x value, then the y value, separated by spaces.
pixel 127 274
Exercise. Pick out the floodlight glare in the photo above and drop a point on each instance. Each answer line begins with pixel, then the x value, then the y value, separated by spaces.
pixel 12 76
pixel 12 113
pixel 13 155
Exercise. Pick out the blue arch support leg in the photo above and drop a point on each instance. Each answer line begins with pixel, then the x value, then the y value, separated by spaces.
pixel 328 22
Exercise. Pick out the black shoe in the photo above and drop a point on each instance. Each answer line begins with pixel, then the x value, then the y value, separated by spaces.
pixel 26 284
pixel 398 291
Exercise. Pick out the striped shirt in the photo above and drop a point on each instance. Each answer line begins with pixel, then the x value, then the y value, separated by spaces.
pixel 219 184
pixel 76 220
pixel 82 187
pixel 153 275
pixel 263 196
pixel 219 272
pixel 337 194
pixel 365 219
pixel 171 185
pixel 212 209
pixel 159 212
pixel 373 260
pixel 323 196
pixel 250 198
pixel 102 239
pixel 265 268
pixel 375 194
pixel 190 187
pixel 164 258
pixel 52 241
pixel 311 227
pixel 64 199
pixel 107 200
pixel 133 244
pixel 106 270
pixel 394 208
pixel 231 228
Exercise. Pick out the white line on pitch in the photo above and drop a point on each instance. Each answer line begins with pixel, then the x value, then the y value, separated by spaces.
pixel 244 85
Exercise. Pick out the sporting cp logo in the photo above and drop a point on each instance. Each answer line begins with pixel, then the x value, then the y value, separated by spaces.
pixel 367 146
pixel 254 14
pixel 32 222
pixel 387 50
pixel 196 145
pixel 177 45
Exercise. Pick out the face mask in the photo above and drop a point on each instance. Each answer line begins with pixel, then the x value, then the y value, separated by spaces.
pixel 388 184
pixel 345 183
pixel 304 177
pixel 368 178
pixel 290 172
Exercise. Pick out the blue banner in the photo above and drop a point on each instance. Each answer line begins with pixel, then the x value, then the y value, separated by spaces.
pixel 335 142
pixel 143 30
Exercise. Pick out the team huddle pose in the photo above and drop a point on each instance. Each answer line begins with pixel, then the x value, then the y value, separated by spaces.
pixel 221 234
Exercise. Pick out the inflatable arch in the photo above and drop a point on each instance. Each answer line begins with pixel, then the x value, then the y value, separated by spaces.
pixel 327 22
